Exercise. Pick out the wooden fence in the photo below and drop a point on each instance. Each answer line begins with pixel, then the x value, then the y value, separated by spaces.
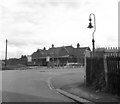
pixel 95 72
pixel 113 73
pixel 104 72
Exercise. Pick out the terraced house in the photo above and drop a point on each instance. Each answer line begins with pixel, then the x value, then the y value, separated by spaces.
pixel 59 56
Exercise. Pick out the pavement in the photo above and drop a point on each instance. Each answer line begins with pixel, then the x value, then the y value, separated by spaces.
pixel 88 95
pixel 73 86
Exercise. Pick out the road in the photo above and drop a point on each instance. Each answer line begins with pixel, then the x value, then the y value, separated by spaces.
pixel 32 85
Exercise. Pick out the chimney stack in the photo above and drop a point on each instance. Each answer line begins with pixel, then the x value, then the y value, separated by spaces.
pixel 44 48
pixel 78 45
pixel 6 54
pixel 52 45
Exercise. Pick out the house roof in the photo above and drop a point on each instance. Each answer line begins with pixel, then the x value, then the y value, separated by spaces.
pixel 60 51
pixel 108 50
pixel 53 51
pixel 78 52
pixel 39 54
pixel 56 52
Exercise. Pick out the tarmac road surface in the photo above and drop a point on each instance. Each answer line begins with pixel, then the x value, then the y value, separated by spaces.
pixel 32 85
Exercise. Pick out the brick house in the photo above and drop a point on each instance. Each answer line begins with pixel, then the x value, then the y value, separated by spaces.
pixel 59 56
pixel 39 57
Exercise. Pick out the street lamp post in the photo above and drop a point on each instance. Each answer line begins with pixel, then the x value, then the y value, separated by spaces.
pixel 90 27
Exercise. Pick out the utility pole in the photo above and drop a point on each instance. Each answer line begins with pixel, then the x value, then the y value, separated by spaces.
pixel 6 54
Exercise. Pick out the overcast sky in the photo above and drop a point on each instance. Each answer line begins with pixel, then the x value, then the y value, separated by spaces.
pixel 32 24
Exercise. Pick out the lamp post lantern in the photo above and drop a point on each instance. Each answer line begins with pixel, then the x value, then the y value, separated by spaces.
pixel 90 27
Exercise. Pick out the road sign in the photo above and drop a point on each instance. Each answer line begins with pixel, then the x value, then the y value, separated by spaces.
pixel 29 58
pixel 47 58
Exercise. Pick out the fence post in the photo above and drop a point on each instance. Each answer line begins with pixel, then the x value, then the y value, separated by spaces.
pixel 85 70
pixel 87 55
pixel 105 70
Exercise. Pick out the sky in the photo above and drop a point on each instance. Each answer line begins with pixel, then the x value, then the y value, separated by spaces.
pixel 32 24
